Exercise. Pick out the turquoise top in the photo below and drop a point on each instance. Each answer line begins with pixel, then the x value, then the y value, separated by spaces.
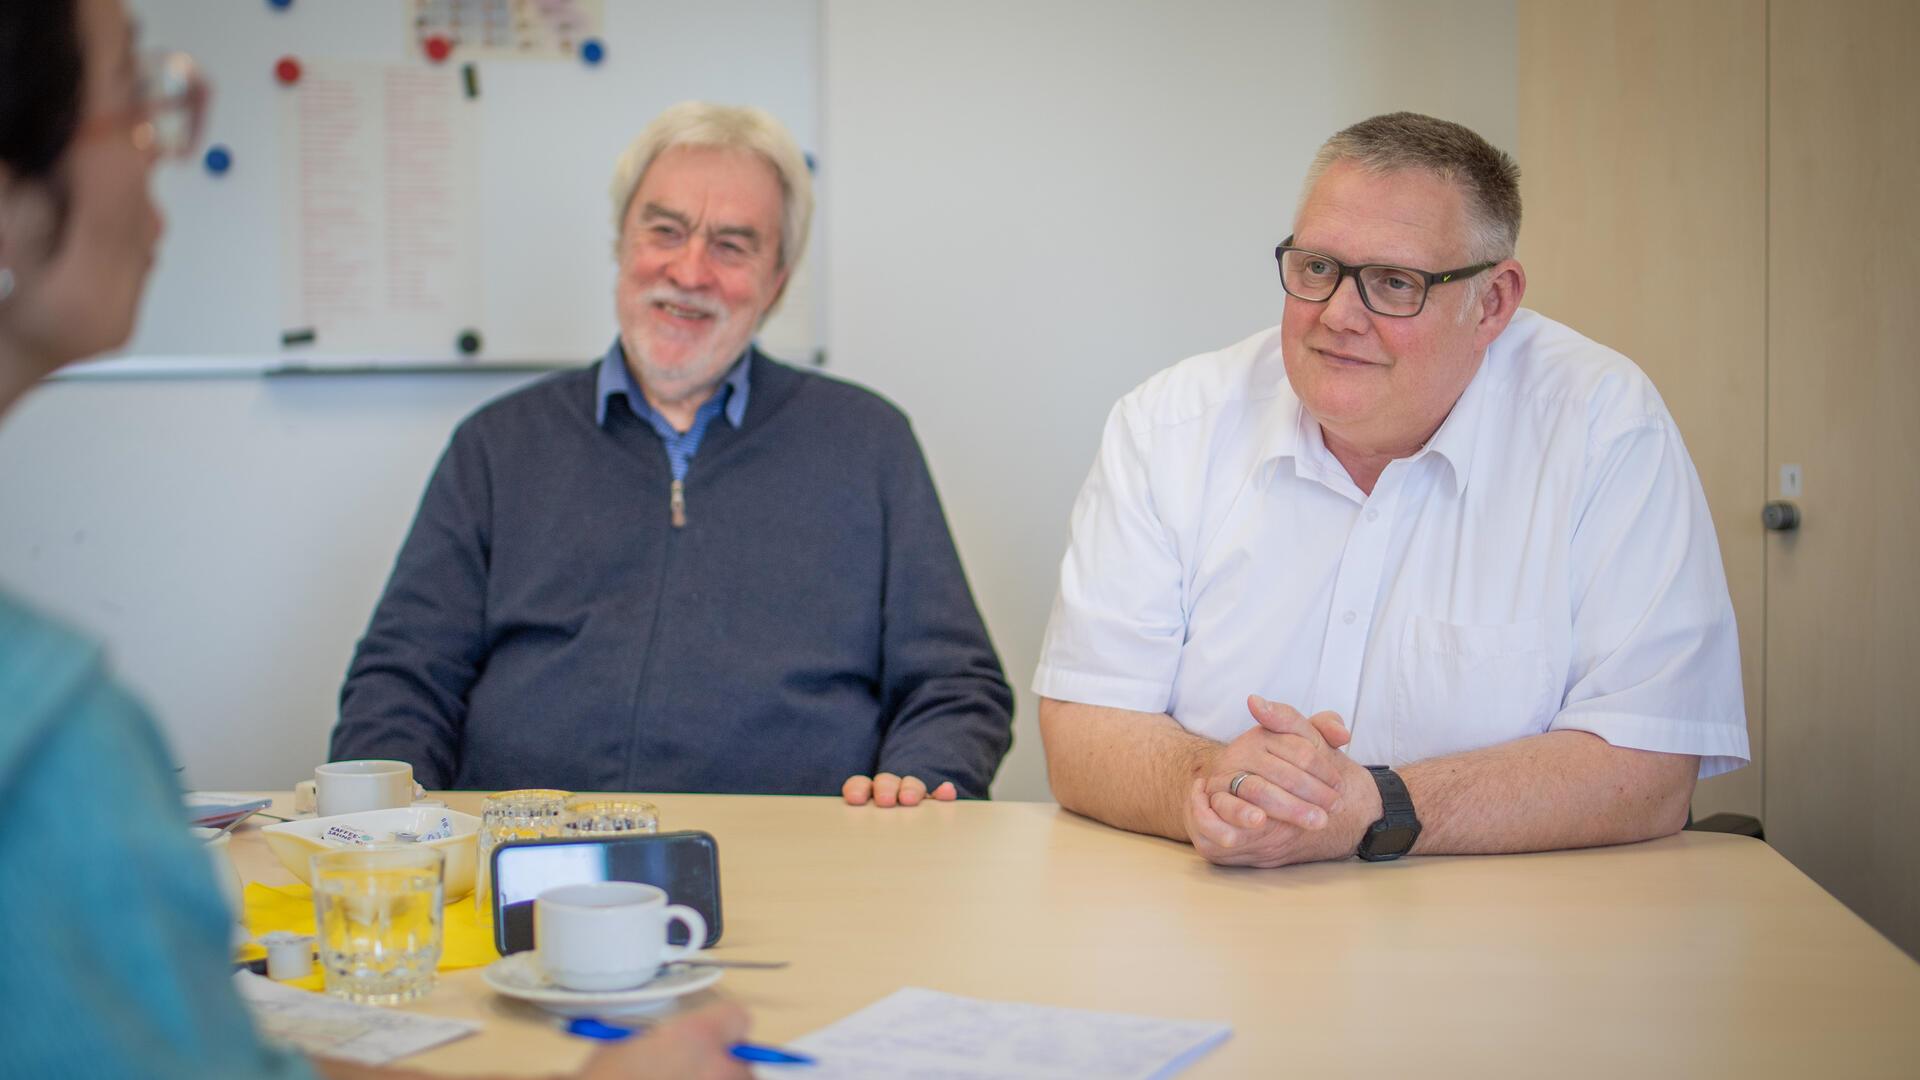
pixel 114 940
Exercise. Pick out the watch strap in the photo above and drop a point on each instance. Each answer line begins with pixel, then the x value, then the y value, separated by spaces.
pixel 1394 834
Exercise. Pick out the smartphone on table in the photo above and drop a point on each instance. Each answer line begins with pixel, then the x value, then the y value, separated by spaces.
pixel 685 864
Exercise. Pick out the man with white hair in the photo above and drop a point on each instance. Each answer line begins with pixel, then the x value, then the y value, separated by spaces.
pixel 688 567
pixel 1414 571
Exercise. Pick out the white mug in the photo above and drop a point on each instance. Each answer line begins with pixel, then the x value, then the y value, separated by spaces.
pixel 609 935
pixel 349 787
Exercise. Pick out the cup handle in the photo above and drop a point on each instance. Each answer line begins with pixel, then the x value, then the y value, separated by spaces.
pixel 303 797
pixel 696 933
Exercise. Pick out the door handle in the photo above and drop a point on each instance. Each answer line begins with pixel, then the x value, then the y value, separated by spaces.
pixel 1780 516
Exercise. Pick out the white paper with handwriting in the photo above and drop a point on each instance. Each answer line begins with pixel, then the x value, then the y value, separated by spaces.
pixel 934 1036
pixel 318 1024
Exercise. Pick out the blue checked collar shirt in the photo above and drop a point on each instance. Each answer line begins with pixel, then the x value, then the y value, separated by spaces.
pixel 730 399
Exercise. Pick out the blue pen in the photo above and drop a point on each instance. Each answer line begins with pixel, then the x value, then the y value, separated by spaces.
pixel 589 1028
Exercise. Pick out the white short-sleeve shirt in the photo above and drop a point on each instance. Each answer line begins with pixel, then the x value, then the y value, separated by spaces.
pixel 1545 562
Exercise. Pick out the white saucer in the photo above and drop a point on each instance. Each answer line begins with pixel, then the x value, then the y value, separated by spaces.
pixel 518 975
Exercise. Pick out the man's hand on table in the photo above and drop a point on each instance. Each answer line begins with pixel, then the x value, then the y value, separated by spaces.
pixel 887 789
pixel 1302 800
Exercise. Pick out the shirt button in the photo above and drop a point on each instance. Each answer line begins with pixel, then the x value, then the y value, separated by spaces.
pixel 1373 515
pixel 1347 618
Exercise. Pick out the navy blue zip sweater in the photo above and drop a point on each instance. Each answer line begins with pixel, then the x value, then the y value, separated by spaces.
pixel 546 625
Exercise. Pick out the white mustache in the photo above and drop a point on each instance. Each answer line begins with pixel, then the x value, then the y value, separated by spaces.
pixel 670 295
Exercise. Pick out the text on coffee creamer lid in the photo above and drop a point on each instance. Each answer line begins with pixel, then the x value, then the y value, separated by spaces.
pixel 346 835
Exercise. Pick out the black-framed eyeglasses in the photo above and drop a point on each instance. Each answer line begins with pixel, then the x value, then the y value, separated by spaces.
pixel 1399 292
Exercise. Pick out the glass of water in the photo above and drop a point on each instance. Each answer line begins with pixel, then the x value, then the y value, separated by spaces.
pixel 379 910
pixel 610 815
pixel 525 814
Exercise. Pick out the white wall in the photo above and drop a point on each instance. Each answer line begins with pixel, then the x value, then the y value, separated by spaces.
pixel 1038 204
pixel 1028 207
pixel 227 538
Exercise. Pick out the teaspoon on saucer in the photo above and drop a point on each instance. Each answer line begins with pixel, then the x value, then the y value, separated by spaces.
pixel 767 964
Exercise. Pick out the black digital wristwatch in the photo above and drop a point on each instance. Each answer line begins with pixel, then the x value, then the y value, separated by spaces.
pixel 1393 835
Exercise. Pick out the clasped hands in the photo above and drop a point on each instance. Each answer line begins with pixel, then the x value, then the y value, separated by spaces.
pixel 1302 799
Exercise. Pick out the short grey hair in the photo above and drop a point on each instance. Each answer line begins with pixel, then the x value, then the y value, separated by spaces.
pixel 725 127
pixel 1486 175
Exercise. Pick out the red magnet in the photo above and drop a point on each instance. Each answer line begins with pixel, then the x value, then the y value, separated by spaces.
pixel 438 48
pixel 287 70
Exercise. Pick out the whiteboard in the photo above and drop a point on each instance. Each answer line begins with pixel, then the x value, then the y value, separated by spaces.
pixel 549 133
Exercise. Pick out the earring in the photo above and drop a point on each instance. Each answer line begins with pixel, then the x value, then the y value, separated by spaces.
pixel 6 282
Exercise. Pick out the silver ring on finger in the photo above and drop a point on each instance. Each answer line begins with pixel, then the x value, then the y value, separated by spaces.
pixel 1233 785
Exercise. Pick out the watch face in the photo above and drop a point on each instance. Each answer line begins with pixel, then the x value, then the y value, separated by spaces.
pixel 1391 840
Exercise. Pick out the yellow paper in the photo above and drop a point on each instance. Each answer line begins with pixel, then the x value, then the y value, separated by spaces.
pixel 466 941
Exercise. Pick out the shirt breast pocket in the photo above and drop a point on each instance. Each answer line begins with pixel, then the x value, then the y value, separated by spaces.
pixel 1463 687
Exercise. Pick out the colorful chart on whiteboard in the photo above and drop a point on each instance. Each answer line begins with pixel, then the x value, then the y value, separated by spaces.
pixel 503 29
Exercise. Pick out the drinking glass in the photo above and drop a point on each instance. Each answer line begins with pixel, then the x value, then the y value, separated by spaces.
pixel 525 814
pixel 608 815
pixel 378 910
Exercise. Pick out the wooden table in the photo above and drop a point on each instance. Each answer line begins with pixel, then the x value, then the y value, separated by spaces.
pixel 1700 954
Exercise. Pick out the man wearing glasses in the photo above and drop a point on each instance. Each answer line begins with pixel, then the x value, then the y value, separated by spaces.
pixel 1414 571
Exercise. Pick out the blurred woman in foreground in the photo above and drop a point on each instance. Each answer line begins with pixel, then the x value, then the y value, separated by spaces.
pixel 114 956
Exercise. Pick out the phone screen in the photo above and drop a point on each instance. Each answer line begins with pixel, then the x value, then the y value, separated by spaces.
pixel 685 864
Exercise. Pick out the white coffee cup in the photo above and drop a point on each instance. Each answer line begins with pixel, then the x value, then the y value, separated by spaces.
pixel 609 935
pixel 350 787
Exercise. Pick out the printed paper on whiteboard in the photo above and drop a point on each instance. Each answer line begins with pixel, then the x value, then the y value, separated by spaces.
pixel 380 189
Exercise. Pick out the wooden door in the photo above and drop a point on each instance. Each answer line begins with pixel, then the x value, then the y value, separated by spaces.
pixel 1842 778
pixel 1643 157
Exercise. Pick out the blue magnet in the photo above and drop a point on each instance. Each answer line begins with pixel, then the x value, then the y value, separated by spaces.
pixel 219 159
pixel 279 5
pixel 592 51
